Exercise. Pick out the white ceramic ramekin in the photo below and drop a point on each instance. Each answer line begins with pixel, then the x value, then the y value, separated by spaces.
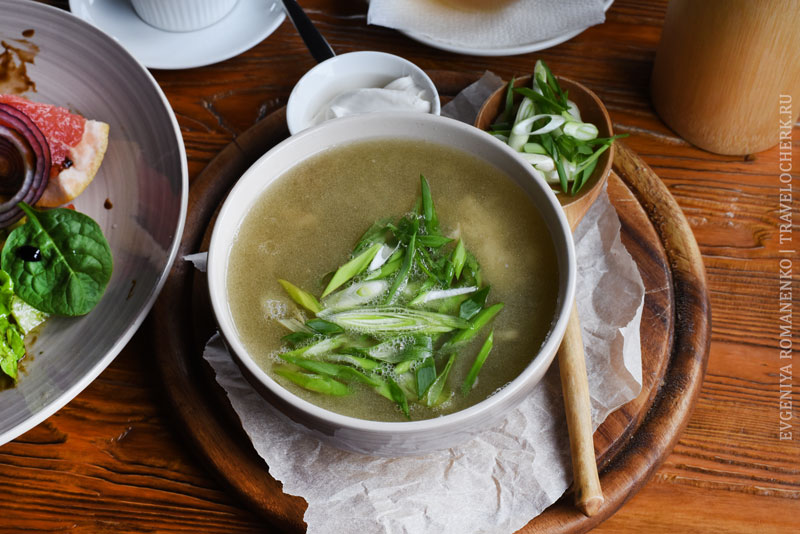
pixel 372 437
pixel 182 15
pixel 346 72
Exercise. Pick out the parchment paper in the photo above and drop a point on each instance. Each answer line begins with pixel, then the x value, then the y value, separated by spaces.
pixel 504 477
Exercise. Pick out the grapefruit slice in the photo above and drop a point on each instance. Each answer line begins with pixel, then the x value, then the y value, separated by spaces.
pixel 77 147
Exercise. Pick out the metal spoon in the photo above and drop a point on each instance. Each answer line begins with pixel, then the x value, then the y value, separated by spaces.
pixel 316 43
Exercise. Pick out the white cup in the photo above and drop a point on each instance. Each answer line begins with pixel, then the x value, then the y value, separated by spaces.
pixel 182 15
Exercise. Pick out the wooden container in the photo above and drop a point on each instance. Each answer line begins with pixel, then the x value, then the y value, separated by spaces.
pixel 723 70
pixel 592 111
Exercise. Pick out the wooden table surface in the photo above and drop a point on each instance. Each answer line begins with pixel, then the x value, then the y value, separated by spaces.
pixel 111 461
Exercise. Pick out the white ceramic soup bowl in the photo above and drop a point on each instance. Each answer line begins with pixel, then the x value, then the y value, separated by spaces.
pixel 372 437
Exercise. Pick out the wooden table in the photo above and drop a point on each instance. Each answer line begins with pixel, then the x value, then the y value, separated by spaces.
pixel 111 461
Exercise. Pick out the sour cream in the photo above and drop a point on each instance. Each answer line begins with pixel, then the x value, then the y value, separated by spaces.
pixel 401 94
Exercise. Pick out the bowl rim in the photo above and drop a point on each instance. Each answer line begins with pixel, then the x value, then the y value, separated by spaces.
pixel 295 107
pixel 231 214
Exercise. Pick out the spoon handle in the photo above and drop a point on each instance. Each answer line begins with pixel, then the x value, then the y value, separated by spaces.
pixel 575 387
pixel 316 43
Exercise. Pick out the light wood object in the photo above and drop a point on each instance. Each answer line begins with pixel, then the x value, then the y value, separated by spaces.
pixel 723 70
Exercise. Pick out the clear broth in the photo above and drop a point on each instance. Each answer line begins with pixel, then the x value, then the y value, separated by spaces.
pixel 307 221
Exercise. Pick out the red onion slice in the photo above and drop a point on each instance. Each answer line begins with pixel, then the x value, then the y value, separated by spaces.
pixel 24 162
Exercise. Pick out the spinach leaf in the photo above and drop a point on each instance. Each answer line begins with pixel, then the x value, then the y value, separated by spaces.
pixel 75 264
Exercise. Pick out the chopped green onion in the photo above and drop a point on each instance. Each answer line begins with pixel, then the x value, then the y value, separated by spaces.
pixel 354 295
pixel 433 241
pixel 475 325
pixel 541 162
pixel 428 211
pixel 592 158
pixel 405 268
pixel 383 255
pixel 540 71
pixel 353 267
pixel 398 350
pixel 313 382
pixel 296 338
pixel 526 126
pixel 580 130
pixel 425 375
pixel 294 325
pixel 477 364
pixel 433 395
pixel 470 307
pixel 518 138
pixel 555 130
pixel 388 268
pixel 396 320
pixel 572 109
pixel 334 370
pixel 562 175
pixel 459 258
pixel 366 364
pixel 303 298
pixel 439 294
pixel 534 148
pixel 324 327
pixel 398 396
pixel 508 111
pixel 390 347
pixel 328 344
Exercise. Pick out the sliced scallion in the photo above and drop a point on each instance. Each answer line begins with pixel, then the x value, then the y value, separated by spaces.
pixel 478 364
pixel 353 267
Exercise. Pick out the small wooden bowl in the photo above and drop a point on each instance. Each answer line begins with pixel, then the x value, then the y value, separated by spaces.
pixel 593 111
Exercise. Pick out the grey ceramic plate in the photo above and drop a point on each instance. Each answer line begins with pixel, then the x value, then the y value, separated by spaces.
pixel 144 176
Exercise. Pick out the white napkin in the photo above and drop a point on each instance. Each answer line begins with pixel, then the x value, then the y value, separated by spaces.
pixel 513 23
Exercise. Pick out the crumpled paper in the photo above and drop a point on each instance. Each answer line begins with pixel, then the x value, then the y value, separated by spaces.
pixel 506 475
pixel 505 24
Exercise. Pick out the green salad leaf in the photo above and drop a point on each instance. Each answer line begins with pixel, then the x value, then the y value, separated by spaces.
pixel 12 347
pixel 75 265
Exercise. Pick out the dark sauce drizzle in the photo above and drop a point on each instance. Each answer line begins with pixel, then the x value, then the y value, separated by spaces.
pixel 29 253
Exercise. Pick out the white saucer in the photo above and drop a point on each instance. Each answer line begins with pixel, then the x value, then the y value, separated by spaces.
pixel 250 22
pixel 521 48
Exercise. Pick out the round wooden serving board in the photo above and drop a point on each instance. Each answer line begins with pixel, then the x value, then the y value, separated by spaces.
pixel 631 443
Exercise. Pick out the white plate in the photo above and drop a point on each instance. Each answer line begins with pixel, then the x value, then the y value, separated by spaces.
pixel 144 176
pixel 249 23
pixel 521 48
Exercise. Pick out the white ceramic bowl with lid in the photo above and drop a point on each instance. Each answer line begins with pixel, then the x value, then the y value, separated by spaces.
pixel 373 437
pixel 346 72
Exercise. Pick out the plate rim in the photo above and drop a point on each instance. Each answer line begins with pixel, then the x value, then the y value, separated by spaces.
pixel 73 391
pixel 202 61
pixel 501 51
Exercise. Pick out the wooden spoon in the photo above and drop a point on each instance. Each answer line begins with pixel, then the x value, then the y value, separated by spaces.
pixel 571 360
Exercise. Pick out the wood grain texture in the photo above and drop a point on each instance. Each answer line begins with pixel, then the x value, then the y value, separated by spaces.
pixel 113 460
